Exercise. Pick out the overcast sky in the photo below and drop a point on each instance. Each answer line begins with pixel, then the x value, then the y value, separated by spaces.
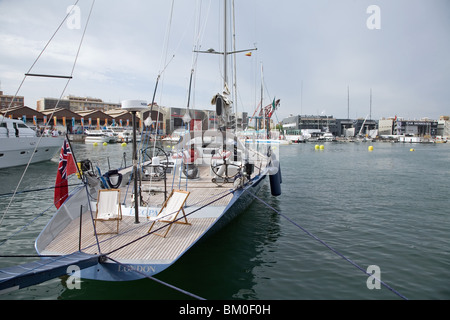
pixel 311 52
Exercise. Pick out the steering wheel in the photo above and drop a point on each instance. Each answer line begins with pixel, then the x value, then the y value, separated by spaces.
pixel 156 159
pixel 221 168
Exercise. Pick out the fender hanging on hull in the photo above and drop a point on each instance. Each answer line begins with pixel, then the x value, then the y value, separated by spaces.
pixel 275 179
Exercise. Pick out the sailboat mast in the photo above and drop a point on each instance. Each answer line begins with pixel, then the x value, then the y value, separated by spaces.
pixel 225 44
pixel 348 102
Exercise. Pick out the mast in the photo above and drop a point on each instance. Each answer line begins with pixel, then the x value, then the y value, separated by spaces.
pixel 225 44
pixel 223 104
pixel 348 102
pixel 262 100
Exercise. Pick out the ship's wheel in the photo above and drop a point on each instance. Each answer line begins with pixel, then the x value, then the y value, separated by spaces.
pixel 155 162
pixel 224 171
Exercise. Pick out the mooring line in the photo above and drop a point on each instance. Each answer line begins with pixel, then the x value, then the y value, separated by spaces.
pixel 329 247
pixel 157 280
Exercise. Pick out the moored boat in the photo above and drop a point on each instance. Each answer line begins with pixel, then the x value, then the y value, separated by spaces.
pixel 97 136
pixel 135 222
pixel 20 145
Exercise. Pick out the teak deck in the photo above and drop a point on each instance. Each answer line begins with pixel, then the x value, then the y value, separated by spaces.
pixel 134 244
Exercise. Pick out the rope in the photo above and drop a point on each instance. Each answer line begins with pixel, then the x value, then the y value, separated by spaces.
pixel 57 104
pixel 35 190
pixel 159 281
pixel 328 246
pixel 168 224
pixel 3 241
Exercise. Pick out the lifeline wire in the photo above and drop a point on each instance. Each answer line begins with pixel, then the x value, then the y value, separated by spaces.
pixel 328 246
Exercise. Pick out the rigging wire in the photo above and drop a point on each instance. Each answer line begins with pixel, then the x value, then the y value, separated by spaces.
pixel 60 98
pixel 328 246
pixel 38 57
pixel 224 194
pixel 156 280
pixel 3 241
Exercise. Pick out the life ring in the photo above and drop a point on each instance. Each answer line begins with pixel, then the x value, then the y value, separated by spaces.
pixel 113 173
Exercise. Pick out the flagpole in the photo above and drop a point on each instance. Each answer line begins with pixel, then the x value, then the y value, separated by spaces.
pixel 73 155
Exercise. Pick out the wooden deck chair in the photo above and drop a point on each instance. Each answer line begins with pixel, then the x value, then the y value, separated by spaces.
pixel 108 209
pixel 170 210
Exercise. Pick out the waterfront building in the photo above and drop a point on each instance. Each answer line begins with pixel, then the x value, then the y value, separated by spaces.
pixel 96 119
pixel 365 127
pixel 29 116
pixel 386 127
pixel 158 124
pixel 44 104
pixel 76 104
pixel 291 125
pixel 121 118
pixel 418 128
pixel 5 101
pixel 345 128
pixel 88 103
pixel 62 119
pixel 444 126
pixel 294 125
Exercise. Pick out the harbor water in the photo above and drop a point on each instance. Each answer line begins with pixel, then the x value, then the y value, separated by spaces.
pixel 342 209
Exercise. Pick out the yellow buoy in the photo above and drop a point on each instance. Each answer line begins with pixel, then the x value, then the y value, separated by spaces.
pixel 105 144
pixel 371 148
pixel 124 144
pixel 317 147
pixel 412 150
pixel 322 147
pixel 95 144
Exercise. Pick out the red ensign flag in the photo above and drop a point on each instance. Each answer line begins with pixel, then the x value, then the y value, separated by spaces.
pixel 66 167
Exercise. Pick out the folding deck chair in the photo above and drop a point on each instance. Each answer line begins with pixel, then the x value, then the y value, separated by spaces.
pixel 170 210
pixel 108 208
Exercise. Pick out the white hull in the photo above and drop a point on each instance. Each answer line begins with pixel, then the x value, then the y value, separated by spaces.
pixel 267 141
pixel 207 212
pixel 96 139
pixel 98 136
pixel 18 151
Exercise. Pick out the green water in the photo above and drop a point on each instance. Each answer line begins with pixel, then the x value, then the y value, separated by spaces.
pixel 389 208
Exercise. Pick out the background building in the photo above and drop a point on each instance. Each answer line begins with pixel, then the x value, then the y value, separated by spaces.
pixel 444 126
pixel 76 104
pixel 88 103
pixel 294 125
pixel 44 104
pixel 386 127
pixel 5 101
pixel 418 128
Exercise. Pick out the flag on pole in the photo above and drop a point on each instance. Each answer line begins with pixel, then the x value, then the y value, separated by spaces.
pixel 66 168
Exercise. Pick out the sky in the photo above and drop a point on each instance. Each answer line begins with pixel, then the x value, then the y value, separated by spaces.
pixel 320 57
